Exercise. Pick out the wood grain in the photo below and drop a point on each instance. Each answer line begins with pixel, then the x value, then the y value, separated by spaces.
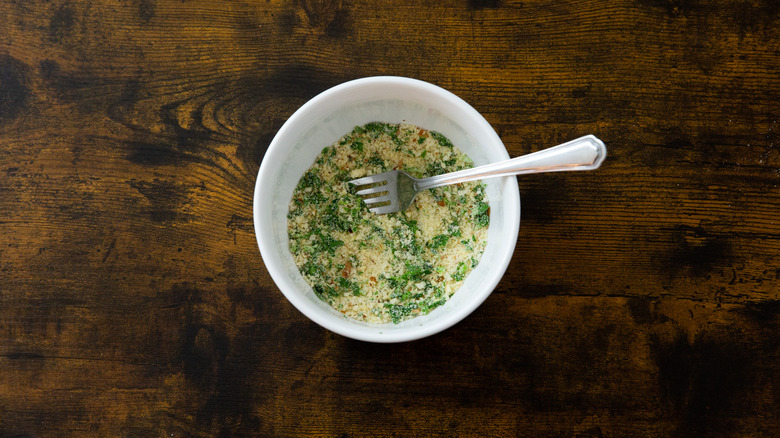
pixel 642 300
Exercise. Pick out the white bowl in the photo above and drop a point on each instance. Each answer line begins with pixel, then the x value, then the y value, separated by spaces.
pixel 334 113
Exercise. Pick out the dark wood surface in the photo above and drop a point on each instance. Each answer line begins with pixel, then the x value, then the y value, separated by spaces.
pixel 643 299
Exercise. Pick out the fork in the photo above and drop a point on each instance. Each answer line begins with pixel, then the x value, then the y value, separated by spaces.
pixel 395 190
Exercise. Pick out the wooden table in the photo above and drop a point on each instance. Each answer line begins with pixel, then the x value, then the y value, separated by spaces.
pixel 642 300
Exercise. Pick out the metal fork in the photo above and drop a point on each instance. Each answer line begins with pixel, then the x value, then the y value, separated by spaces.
pixel 395 190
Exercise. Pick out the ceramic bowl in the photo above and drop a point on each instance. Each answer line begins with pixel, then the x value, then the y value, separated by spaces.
pixel 332 114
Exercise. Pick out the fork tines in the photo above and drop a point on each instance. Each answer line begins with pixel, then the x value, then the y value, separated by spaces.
pixel 377 191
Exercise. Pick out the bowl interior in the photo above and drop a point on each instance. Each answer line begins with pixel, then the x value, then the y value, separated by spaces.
pixel 328 117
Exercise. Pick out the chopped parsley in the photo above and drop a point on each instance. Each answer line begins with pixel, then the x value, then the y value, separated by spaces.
pixel 442 140
pixel 438 241
pixel 482 215
pixel 460 272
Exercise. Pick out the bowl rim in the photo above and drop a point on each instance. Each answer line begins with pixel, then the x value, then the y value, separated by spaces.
pixel 274 267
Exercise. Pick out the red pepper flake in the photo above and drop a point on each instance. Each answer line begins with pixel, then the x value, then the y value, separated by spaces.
pixel 347 269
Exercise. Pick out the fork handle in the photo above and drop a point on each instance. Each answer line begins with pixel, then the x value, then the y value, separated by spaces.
pixel 584 153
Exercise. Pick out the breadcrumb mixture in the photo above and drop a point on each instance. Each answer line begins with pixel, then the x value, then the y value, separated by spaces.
pixel 382 268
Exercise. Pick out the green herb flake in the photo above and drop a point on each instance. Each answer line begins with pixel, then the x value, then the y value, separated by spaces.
pixel 327 243
pixel 399 312
pixel 438 241
pixel 482 215
pixel 444 141
pixel 376 161
pixel 310 180
pixel 460 271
